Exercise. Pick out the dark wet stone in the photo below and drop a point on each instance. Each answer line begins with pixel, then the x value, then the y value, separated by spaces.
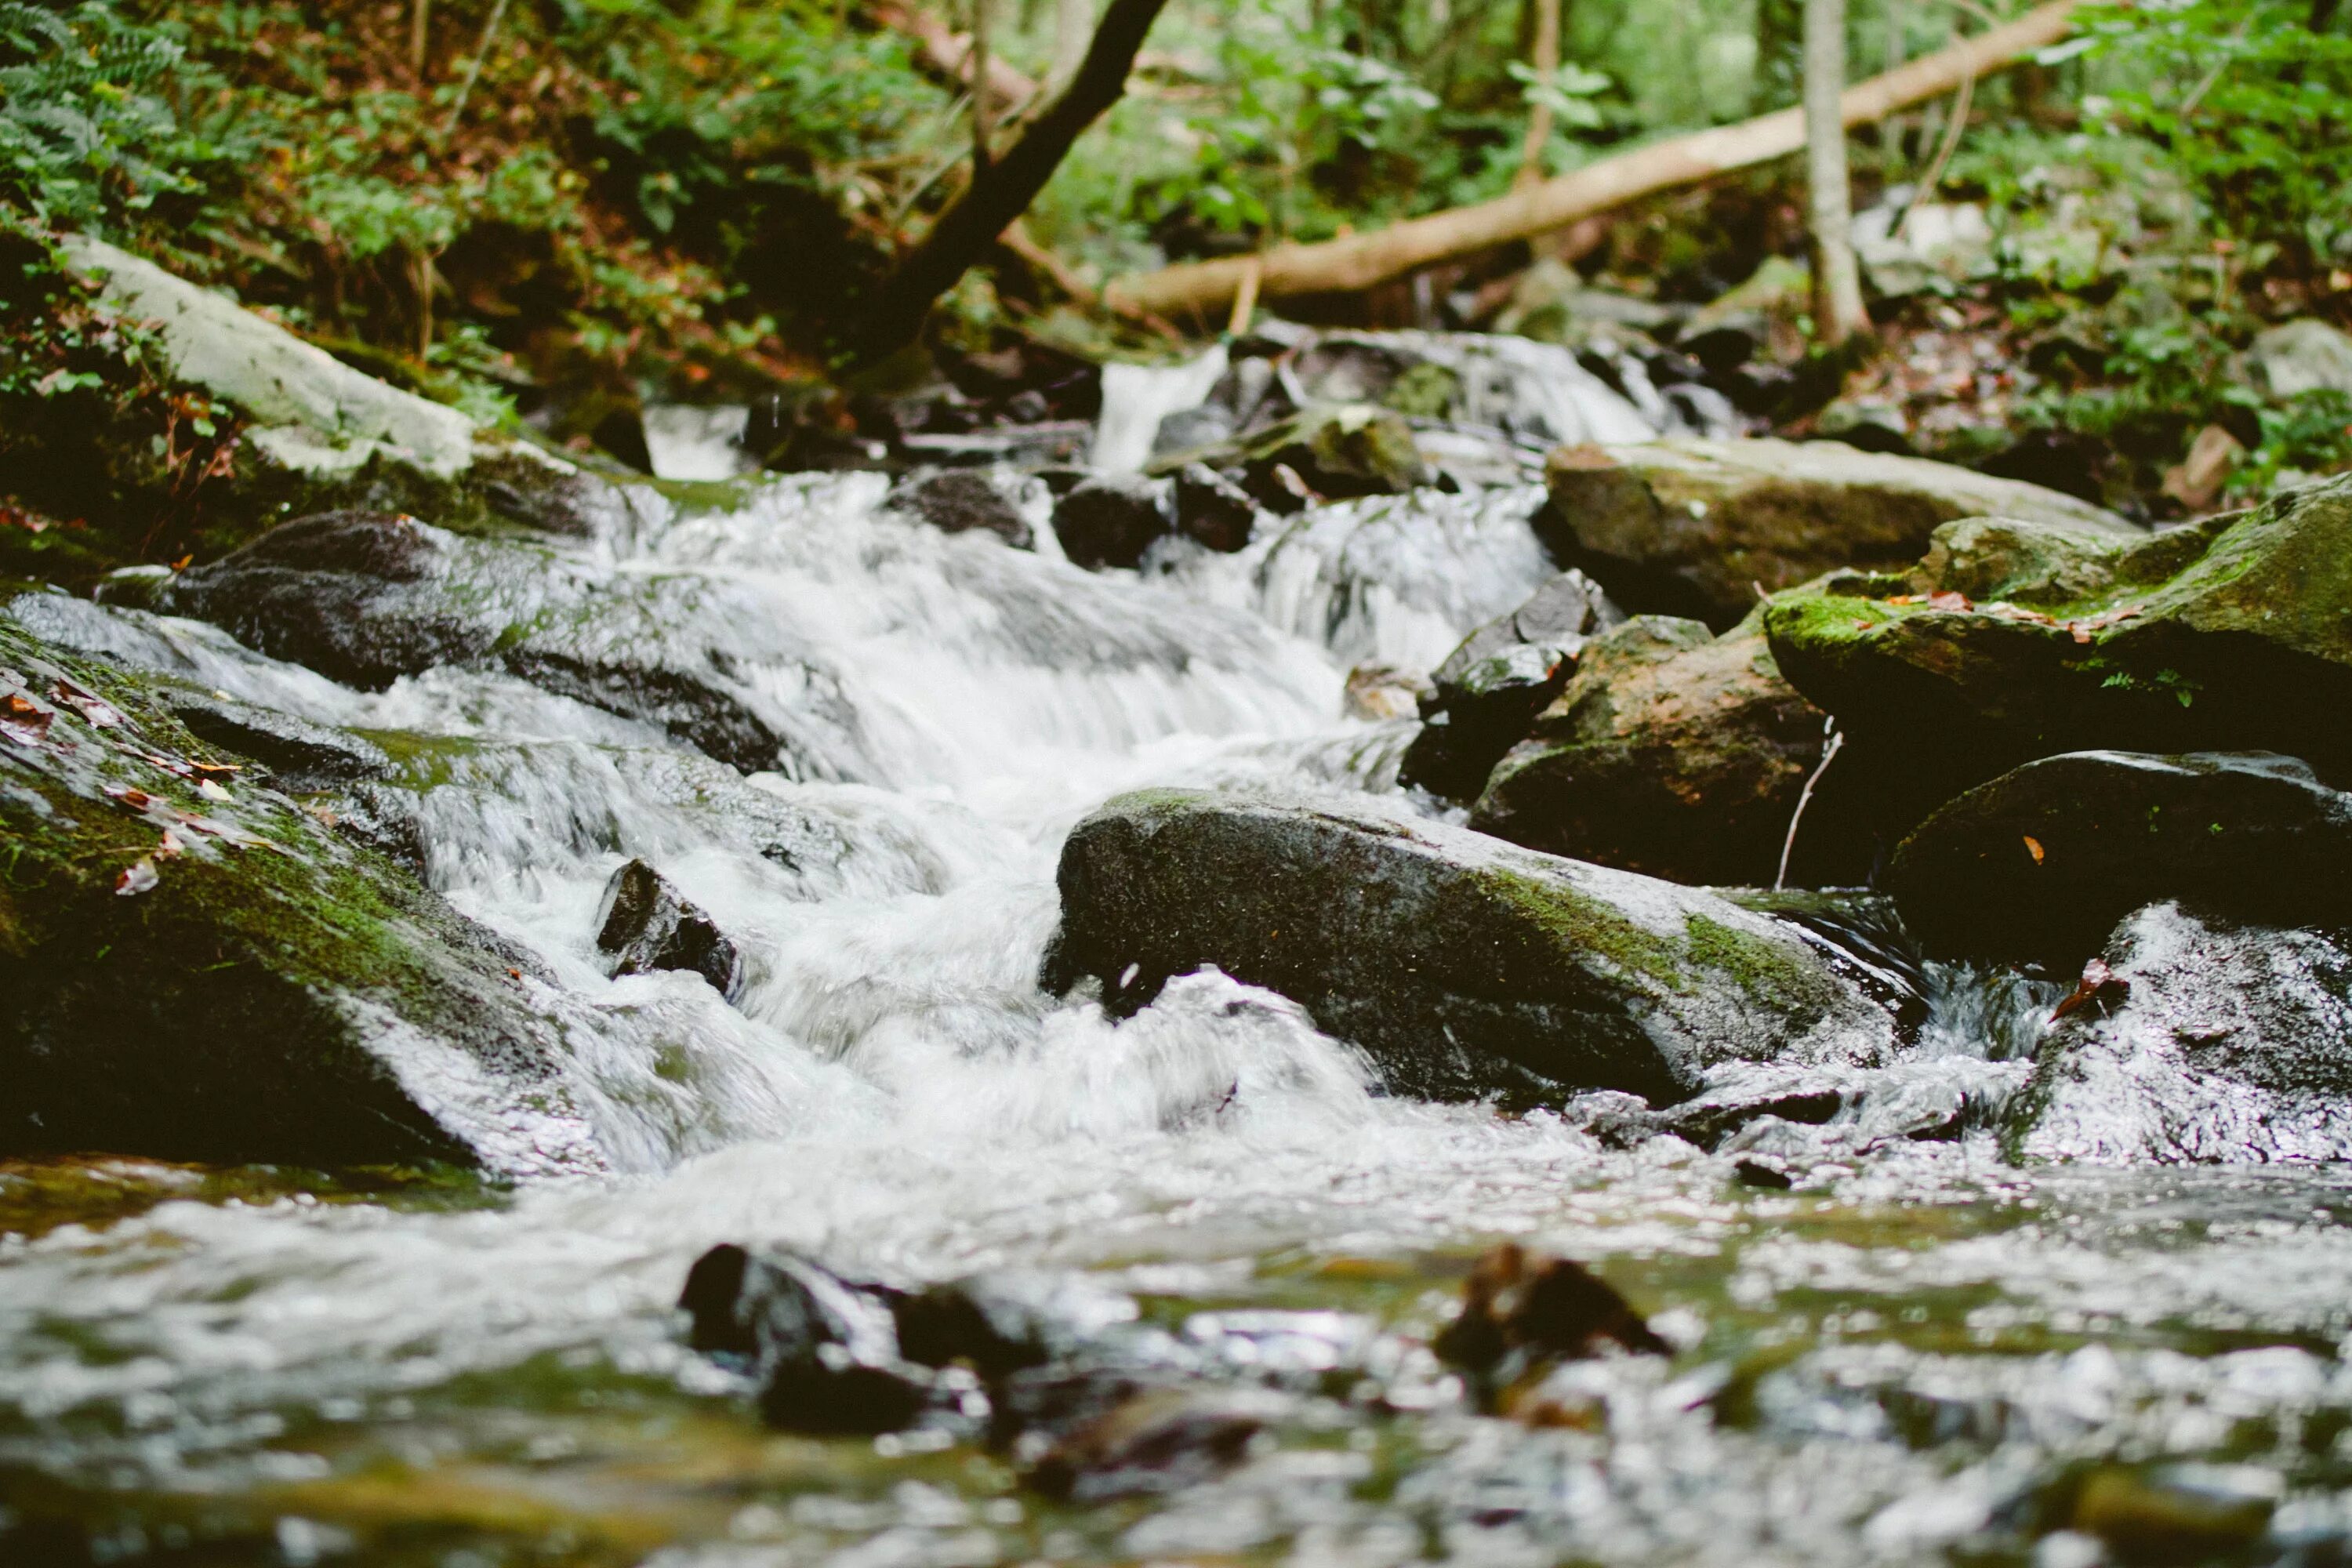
pixel 2006 643
pixel 644 924
pixel 826 1351
pixel 214 974
pixel 368 597
pixel 1523 1312
pixel 958 500
pixel 1110 521
pixel 2041 863
pixel 1154 1443
pixel 1461 964
pixel 1690 527
pixel 1213 508
pixel 1678 754
pixel 1864 929
pixel 2202 1041
pixel 300 756
pixel 1491 687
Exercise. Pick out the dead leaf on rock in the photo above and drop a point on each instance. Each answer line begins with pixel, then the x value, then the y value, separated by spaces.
pixel 129 799
pixel 135 878
pixel 2098 981
pixel 100 713
pixel 212 791
pixel 2034 848
pixel 170 849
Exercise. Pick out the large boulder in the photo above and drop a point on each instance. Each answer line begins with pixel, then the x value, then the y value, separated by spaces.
pixel 2303 356
pixel 193 967
pixel 2042 862
pixel 1462 964
pixel 2198 1040
pixel 1677 753
pixel 1692 527
pixel 1502 676
pixel 368 597
pixel 2009 641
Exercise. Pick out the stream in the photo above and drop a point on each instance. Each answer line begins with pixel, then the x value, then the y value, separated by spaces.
pixel 1925 1354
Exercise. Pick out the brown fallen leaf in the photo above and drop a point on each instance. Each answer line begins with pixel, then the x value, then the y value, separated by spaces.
pixel 212 791
pixel 2034 848
pixel 135 878
pixel 129 799
pixel 2098 981
pixel 170 849
pixel 96 710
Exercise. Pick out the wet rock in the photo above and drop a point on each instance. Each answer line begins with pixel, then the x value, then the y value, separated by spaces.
pixel 2042 862
pixel 2176 1513
pixel 1461 964
pixel 1380 691
pixel 301 756
pixel 1502 676
pixel 2009 642
pixel 1677 753
pixel 1110 521
pixel 644 924
pixel 1523 1312
pixel 1157 1441
pixel 826 1351
pixel 960 501
pixel 1213 508
pixel 1695 527
pixel 2202 1041
pixel 1331 452
pixel 368 597
pixel 192 966
pixel 2303 356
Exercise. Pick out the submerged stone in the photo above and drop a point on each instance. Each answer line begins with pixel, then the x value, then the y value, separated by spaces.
pixel 1462 965
pixel 2042 862
pixel 962 500
pixel 1501 677
pixel 644 924
pixel 1691 527
pixel 192 966
pixel 1110 521
pixel 826 1351
pixel 2198 1041
pixel 1677 753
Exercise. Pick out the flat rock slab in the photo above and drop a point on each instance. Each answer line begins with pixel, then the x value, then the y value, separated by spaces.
pixel 1462 964
pixel 2042 862
pixel 2234 633
pixel 1693 527
pixel 2208 1043
pixel 192 966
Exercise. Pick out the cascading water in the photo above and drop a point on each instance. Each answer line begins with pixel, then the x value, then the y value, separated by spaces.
pixel 1909 1356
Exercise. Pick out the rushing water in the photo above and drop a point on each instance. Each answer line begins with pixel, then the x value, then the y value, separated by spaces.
pixel 1918 1352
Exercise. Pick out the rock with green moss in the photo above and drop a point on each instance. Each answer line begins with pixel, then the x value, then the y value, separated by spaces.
pixel 1692 527
pixel 368 597
pixel 1333 450
pixel 1462 964
pixel 193 967
pixel 2234 633
pixel 1677 753
pixel 2198 1040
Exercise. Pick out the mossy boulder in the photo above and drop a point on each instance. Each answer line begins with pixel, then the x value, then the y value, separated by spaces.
pixel 1462 964
pixel 192 966
pixel 2199 1040
pixel 1692 527
pixel 1335 450
pixel 368 597
pixel 1677 753
pixel 2042 862
pixel 2234 633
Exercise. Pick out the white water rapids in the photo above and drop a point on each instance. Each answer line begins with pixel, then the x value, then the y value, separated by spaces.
pixel 894 1094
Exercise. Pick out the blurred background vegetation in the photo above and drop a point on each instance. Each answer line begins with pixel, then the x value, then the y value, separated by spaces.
pixel 548 210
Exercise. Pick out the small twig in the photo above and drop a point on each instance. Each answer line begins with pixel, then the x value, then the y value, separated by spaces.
pixel 1953 129
pixel 474 68
pixel 1836 740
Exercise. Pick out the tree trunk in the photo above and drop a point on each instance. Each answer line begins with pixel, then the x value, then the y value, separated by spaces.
pixel 1003 190
pixel 982 120
pixel 1837 280
pixel 1543 55
pixel 1361 261
pixel 1073 22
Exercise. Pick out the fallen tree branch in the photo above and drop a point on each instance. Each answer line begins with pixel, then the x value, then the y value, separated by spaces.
pixel 1003 190
pixel 1198 289
pixel 949 52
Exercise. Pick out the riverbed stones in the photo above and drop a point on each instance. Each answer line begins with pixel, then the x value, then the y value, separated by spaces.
pixel 192 966
pixel 2041 863
pixel 1697 528
pixel 2005 644
pixel 1462 964
pixel 2201 1041
pixel 1674 753
pixel 367 597
pixel 644 924
pixel 963 500
pixel 2298 357
pixel 1110 521
pixel 1502 676
pixel 825 1351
